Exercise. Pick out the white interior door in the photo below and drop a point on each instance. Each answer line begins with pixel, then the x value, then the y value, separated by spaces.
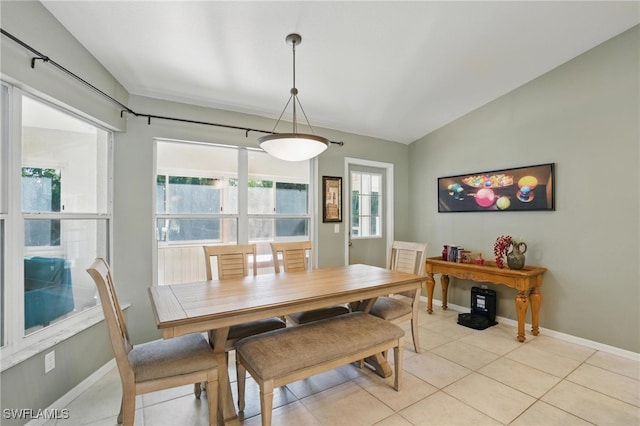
pixel 369 211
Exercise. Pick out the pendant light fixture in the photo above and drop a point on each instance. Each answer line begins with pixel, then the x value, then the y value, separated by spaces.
pixel 293 146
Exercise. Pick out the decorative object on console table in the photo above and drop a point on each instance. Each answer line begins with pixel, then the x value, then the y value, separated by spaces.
pixel 515 258
pixel 453 253
pixel 501 248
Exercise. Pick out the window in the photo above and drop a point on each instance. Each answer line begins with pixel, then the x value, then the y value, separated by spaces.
pixel 214 194
pixel 183 199
pixel 366 205
pixel 59 218
pixel 278 198
pixel 4 144
pixel 196 202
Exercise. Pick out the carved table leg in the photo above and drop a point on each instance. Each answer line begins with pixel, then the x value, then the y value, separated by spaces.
pixel 444 283
pixel 521 309
pixel 430 286
pixel 536 300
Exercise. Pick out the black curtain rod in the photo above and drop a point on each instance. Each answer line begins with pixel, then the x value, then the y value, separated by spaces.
pixel 41 57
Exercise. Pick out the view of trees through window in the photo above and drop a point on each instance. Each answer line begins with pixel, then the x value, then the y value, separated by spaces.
pixel 41 193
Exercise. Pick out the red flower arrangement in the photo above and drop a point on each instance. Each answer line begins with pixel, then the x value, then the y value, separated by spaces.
pixel 500 249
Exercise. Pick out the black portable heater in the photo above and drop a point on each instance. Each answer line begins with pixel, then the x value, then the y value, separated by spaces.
pixel 483 309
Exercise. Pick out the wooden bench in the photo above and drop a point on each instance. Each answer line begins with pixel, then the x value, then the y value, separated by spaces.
pixel 279 357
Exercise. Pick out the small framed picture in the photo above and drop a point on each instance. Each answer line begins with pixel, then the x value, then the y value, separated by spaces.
pixel 331 199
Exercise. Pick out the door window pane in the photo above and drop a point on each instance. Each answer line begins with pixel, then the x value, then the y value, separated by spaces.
pixel 365 205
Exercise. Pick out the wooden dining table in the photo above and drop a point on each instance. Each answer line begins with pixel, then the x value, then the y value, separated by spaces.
pixel 217 305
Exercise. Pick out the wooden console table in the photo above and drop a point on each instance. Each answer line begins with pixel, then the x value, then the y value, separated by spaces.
pixel 526 281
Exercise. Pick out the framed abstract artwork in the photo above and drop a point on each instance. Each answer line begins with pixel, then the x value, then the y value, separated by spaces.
pixel 518 189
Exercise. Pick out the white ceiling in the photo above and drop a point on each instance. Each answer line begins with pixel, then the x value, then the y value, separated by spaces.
pixel 392 70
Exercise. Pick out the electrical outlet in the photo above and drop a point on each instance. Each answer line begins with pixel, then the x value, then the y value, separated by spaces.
pixel 49 361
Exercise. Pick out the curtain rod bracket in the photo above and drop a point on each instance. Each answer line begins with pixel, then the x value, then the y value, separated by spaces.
pixel 35 58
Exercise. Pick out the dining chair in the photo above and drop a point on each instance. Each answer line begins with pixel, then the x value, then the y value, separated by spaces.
pixel 233 261
pixel 298 256
pixel 155 365
pixel 397 308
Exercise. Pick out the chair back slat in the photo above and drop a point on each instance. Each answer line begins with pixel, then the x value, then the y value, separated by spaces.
pixel 233 261
pixel 118 334
pixel 408 257
pixel 296 256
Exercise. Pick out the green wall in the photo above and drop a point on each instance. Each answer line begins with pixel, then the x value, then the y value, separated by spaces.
pixel 584 117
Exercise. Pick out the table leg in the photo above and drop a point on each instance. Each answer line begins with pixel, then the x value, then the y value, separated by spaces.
pixel 225 398
pixel 444 283
pixel 431 283
pixel 521 309
pixel 536 300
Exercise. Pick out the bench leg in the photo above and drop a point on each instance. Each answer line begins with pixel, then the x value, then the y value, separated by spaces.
pixel 266 402
pixel 398 360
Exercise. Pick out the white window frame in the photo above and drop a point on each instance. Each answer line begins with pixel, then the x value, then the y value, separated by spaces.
pixel 242 213
pixel 18 346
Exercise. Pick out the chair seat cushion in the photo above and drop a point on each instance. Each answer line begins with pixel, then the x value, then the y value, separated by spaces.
pixel 318 314
pixel 280 352
pixel 171 357
pixel 390 308
pixel 255 327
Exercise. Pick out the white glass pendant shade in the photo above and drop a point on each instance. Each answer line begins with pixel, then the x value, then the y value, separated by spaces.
pixel 293 146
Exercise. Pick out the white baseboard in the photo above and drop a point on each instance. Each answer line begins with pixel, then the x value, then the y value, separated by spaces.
pixel 66 399
pixel 552 333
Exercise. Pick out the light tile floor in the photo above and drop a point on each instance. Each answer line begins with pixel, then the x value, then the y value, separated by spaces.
pixel 462 377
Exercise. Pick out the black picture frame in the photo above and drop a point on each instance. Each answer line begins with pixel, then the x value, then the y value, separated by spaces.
pixel 331 199
pixel 527 188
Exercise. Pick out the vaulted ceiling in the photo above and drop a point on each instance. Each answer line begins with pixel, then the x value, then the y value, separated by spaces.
pixel 393 70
